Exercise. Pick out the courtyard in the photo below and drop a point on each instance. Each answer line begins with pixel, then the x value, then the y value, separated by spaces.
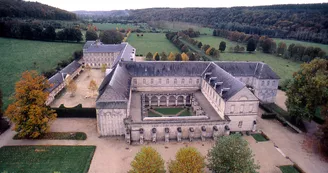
pixel 83 95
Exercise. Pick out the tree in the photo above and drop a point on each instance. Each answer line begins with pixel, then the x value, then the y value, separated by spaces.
pixel 93 86
pixel 216 54
pixel 147 160
pixel 156 57
pixel 185 48
pixel 72 87
pixel 149 56
pixel 103 68
pixel 231 154
pixel 323 136
pixel 178 57
pixel 163 56
pixel 111 37
pixel 187 160
pixel 281 48
pixel 267 45
pixel 208 51
pixel 222 46
pixel 28 111
pixel 251 45
pixel 236 49
pixel 308 90
pixel 87 68
pixel 184 57
pixel 200 44
pixel 171 57
pixel 91 35
pixel 205 47
pixel 49 33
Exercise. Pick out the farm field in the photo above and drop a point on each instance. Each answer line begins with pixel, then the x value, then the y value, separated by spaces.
pixel 151 42
pixel 108 26
pixel 18 56
pixel 283 67
pixel 32 159
pixel 307 44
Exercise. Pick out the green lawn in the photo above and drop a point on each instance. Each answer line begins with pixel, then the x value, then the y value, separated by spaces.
pixel 259 137
pixel 18 56
pixel 153 114
pixel 304 43
pixel 185 113
pixel 168 111
pixel 151 42
pixel 283 67
pixel 109 26
pixel 288 169
pixel 46 159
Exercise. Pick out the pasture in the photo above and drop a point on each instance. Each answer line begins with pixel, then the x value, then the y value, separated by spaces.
pixel 18 56
pixel 151 42
pixel 307 44
pixel 283 67
pixel 109 26
pixel 42 159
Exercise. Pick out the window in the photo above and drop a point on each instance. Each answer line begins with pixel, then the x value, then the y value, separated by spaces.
pixel 135 81
pixel 241 108
pixel 268 83
pixel 250 108
pixel 144 81
pixel 197 81
pixel 175 81
pixel 273 83
pixel 240 124
pixel 151 81
pixel 190 81
pixel 159 80
pixel 232 108
pixel 167 81
pixel 262 84
pixel 182 81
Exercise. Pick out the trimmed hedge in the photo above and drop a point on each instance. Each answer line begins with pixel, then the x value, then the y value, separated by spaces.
pixel 75 112
pixel 58 136
pixel 318 120
pixel 268 116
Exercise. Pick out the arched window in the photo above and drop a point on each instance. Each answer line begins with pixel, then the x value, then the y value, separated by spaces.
pixel 175 81
pixel 182 81
pixel 159 80
pixel 144 81
pixel 167 81
pixel 240 124
pixel 190 81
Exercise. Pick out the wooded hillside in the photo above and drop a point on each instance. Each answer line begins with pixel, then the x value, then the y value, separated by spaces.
pixel 23 9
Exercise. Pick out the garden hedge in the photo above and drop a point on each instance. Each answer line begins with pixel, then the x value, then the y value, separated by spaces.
pixel 75 112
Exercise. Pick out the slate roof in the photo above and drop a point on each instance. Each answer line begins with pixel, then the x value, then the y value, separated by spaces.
pixel 125 54
pixel 88 44
pixel 59 77
pixel 259 70
pixel 228 81
pixel 105 48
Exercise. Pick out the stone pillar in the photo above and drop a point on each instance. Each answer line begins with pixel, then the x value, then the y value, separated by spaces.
pixel 158 100
pixel 184 100
pixel 254 126
pixel 153 134
pixel 127 136
pixel 167 101
pixel 141 137
pixel 167 134
pixel 176 101
pixel 179 134
pixel 215 133
pixel 203 135
pixel 226 130
pixel 149 100
pixel 191 134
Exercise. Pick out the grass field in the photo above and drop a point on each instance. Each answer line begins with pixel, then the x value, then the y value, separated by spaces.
pixel 46 159
pixel 109 26
pixel 151 42
pixel 288 169
pixel 283 67
pixel 18 56
pixel 259 137
pixel 168 111
pixel 307 44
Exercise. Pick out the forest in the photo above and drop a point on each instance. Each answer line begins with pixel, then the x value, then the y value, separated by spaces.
pixel 26 9
pixel 307 22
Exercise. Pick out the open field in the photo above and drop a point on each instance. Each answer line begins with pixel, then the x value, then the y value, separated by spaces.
pixel 307 44
pixel 32 159
pixel 283 67
pixel 109 26
pixel 18 56
pixel 151 42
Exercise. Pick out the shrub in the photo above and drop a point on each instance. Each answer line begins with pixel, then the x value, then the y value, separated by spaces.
pixel 147 160
pixel 188 159
pixel 268 115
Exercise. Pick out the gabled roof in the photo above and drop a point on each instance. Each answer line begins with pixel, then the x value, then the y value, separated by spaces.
pixel 105 48
pixel 217 74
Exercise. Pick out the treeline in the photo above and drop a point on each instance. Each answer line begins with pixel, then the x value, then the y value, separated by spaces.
pixel 189 56
pixel 27 9
pixel 308 22
pixel 36 31
pixel 296 52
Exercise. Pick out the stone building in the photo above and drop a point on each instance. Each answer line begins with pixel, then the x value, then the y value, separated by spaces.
pixel 97 54
pixel 59 80
pixel 222 96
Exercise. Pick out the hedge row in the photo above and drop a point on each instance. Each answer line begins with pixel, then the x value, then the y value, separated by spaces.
pixel 75 112
pixel 269 115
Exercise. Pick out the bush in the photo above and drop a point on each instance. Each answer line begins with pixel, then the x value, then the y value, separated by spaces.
pixel 59 136
pixel 75 112
pixel 268 116
pixel 188 159
pixel 147 160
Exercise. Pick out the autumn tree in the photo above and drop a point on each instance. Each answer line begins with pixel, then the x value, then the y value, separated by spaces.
pixel 178 57
pixel 171 57
pixel 187 160
pixel 87 68
pixel 149 56
pixel 184 57
pixel 28 111
pixel 282 47
pixel 156 56
pixel 163 56
pixel 4 125
pixel 251 45
pixel 91 35
pixel 72 87
pixel 111 37
pixel 93 86
pixel 103 68
pixel 147 160
pixel 231 154
pixel 222 46
pixel 205 47
pixel 308 90
pixel 184 48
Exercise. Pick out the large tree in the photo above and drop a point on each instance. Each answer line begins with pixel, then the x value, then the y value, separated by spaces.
pixel 163 56
pixel 28 111
pixel 171 57
pixel 187 160
pixel 309 90
pixel 91 35
pixel 282 47
pixel 156 56
pixel 149 56
pixel 251 45
pixel 222 46
pixel 111 37
pixel 231 154
pixel 178 57
pixel 147 160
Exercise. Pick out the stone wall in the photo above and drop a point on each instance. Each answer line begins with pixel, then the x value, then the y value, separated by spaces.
pixel 110 122
pixel 242 123
pixel 165 83
pixel 97 59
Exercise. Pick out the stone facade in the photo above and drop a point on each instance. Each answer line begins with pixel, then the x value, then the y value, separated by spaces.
pixel 97 60
pixel 111 122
